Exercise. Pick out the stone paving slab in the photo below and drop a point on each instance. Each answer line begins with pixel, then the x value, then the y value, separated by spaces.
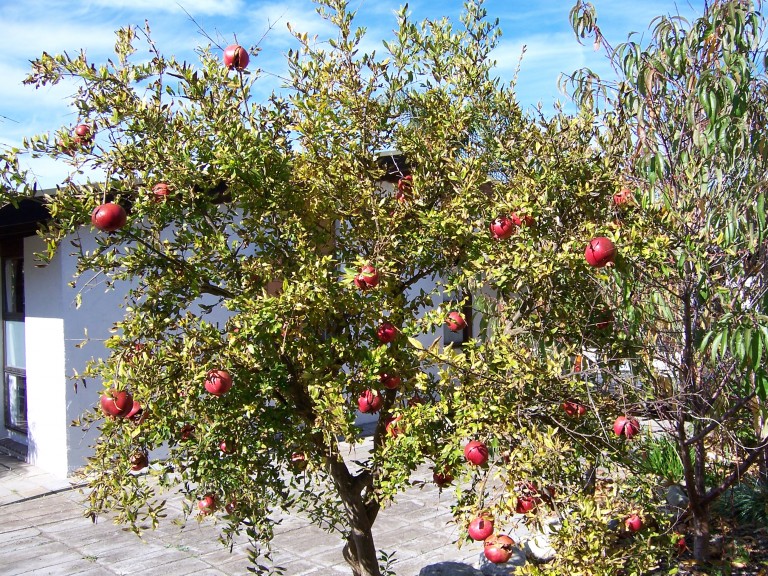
pixel 19 480
pixel 47 534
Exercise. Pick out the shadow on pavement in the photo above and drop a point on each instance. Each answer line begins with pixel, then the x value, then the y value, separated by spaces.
pixel 449 569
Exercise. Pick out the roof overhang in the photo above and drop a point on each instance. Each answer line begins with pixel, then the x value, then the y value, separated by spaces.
pixel 23 219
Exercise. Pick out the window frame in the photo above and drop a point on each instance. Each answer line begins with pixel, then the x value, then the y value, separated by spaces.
pixel 12 250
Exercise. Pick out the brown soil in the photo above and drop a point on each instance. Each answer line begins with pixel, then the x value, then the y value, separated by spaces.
pixel 736 551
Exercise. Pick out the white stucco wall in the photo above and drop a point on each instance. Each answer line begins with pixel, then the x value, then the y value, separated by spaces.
pixel 46 382
pixel 54 328
pixel 99 310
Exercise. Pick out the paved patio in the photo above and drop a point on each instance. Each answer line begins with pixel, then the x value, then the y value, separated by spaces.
pixel 43 532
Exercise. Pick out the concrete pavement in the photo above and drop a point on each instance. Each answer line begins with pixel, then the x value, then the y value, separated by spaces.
pixel 43 532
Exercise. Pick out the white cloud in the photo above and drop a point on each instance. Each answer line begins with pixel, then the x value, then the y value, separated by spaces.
pixel 14 95
pixel 272 19
pixel 28 39
pixel 546 58
pixel 206 7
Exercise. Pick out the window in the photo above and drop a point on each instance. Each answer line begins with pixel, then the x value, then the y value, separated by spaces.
pixel 14 352
pixel 465 335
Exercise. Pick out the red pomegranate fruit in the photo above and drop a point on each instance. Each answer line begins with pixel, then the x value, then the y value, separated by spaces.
pixel 633 523
pixel 386 332
pixel 600 252
pixel 502 228
pixel 139 460
pixel 109 217
pixel 160 192
pixel 442 479
pixel 236 57
pixel 369 402
pixel 207 504
pixel 116 403
pixel 574 409
pixel 390 381
pixel 455 321
pixel 218 382
pixel 476 452
pixel 480 528
pixel 627 427
pixel 498 548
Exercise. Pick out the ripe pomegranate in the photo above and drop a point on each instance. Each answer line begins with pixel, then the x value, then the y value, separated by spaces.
pixel 109 217
pixel 498 548
pixel 404 188
pixel 393 426
pixel 600 251
pixel 502 228
pixel 442 479
pixel 236 57
pixel 622 197
pixel 137 414
pixel 405 184
pixel 83 134
pixel 116 403
pixel 160 192
pixel 455 321
pixel 225 448
pixel 231 506
pixel 528 499
pixel 139 460
pixel 207 504
pixel 476 452
pixel 218 382
pixel 186 431
pixel 367 278
pixel 574 409
pixel 522 219
pixel 480 528
pixel 627 427
pixel 633 523
pixel 526 504
pixel 390 381
pixel 386 332
pixel 299 461
pixel 369 402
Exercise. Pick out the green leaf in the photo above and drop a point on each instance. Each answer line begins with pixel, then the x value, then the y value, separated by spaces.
pixel 756 349
pixel 761 384
pixel 415 343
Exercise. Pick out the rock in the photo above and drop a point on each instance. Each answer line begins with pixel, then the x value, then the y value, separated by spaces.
pixel 676 496
pixel 449 569
pixel 537 545
pixel 507 569
pixel 539 549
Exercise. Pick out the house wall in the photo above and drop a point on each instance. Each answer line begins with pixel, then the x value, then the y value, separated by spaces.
pixel 55 328
pixel 46 381
pixel 99 310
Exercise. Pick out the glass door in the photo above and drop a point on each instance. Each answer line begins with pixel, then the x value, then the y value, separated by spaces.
pixel 14 356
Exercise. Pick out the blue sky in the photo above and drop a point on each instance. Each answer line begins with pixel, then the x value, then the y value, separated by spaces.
pixel 28 28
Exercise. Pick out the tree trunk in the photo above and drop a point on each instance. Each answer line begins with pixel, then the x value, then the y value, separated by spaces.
pixel 692 402
pixel 359 551
pixel 700 533
pixel 699 507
